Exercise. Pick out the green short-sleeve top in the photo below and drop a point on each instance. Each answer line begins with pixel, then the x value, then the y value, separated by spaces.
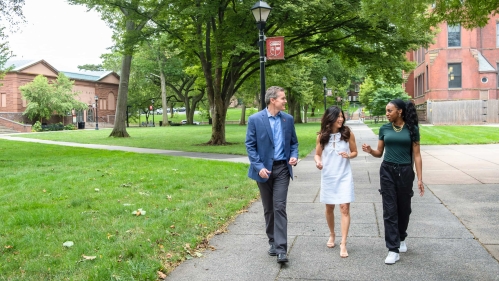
pixel 397 144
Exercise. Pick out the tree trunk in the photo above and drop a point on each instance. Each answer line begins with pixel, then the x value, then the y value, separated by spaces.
pixel 298 114
pixel 163 95
pixel 242 121
pixel 305 110
pixel 119 129
pixel 291 105
pixel 218 126
pixel 312 114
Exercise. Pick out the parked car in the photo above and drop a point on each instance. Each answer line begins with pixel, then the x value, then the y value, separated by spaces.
pixel 183 122
pixel 159 111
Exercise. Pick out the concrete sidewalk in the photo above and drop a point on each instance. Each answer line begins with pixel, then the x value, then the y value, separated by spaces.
pixel 453 233
pixel 442 246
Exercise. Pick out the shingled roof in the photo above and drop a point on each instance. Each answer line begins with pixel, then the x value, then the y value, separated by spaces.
pixel 94 76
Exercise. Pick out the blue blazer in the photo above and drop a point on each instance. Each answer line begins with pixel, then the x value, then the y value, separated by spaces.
pixel 260 143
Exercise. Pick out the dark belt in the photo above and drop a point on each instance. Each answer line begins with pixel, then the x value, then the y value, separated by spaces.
pixel 396 164
pixel 280 162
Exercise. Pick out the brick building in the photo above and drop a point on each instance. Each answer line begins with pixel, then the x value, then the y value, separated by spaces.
pixel 461 65
pixel 103 84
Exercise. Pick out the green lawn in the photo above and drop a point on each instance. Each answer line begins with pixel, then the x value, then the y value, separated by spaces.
pixel 444 135
pixel 233 115
pixel 183 138
pixel 52 194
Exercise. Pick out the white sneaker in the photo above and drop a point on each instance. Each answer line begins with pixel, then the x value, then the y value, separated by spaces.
pixel 392 258
pixel 403 247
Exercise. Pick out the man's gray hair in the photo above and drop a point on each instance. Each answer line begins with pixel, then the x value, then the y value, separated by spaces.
pixel 272 93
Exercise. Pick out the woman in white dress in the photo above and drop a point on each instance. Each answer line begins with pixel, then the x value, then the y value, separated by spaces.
pixel 335 147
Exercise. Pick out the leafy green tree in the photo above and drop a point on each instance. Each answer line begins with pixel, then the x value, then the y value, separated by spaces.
pixel 366 92
pixel 128 18
pixel 384 95
pixel 11 11
pixel 375 95
pixel 45 99
pixel 221 35
pixel 5 55
pixel 11 15
pixel 424 14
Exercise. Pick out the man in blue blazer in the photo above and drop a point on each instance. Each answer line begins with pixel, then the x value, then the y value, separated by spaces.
pixel 272 148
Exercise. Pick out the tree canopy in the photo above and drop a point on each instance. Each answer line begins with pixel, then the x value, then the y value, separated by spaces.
pixel 219 37
pixel 375 95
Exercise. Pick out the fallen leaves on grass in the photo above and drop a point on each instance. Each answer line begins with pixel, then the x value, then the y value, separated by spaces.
pixel 89 258
pixel 139 212
pixel 161 275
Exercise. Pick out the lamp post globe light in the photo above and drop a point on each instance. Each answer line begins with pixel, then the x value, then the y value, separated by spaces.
pixel 339 100
pixel 324 81
pixel 96 114
pixel 152 102
pixel 261 11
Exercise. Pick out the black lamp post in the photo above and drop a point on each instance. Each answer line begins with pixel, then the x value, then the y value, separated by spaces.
pixel 324 81
pixel 261 11
pixel 96 115
pixel 152 101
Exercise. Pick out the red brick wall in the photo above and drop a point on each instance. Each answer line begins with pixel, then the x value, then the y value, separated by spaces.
pixel 14 104
pixel 482 40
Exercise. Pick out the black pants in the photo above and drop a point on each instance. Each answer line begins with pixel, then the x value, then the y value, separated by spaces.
pixel 396 190
pixel 274 193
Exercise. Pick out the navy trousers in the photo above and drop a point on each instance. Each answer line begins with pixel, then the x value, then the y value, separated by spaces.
pixel 274 193
pixel 396 183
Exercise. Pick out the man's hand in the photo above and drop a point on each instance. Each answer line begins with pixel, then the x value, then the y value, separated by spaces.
pixel 293 161
pixel 264 173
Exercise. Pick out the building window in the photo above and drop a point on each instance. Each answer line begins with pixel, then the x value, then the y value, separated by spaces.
pixel 427 78
pixel 419 54
pixel 110 104
pixel 3 100
pixel 418 85
pixel 497 34
pixel 357 88
pixel 497 79
pixel 102 104
pixel 454 75
pixel 454 35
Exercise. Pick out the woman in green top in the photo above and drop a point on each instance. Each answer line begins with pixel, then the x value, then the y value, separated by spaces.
pixel 399 140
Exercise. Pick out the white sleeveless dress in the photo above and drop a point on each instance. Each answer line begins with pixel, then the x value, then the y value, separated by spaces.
pixel 336 173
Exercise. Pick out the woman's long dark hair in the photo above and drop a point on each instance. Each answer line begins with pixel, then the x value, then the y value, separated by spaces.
pixel 409 115
pixel 328 119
